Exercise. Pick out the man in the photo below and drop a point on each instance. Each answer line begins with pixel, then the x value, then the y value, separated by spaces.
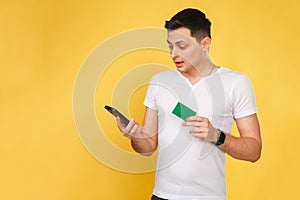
pixel 191 151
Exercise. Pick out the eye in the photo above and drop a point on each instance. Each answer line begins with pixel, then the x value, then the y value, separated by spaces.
pixel 182 46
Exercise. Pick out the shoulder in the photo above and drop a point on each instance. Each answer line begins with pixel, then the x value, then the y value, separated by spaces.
pixel 165 75
pixel 230 74
pixel 231 77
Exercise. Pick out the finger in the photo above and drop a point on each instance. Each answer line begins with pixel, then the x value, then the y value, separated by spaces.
pixel 130 125
pixel 193 123
pixel 199 130
pixel 120 124
pixel 121 127
pixel 136 122
pixel 200 135
pixel 134 130
pixel 195 118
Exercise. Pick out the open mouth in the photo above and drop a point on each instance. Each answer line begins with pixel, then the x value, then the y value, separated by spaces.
pixel 178 63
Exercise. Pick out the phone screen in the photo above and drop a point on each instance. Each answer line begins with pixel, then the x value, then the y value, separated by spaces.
pixel 116 113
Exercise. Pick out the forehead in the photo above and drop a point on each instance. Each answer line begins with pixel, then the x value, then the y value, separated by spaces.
pixel 180 34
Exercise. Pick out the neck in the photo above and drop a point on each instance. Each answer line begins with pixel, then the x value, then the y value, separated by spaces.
pixel 197 73
pixel 193 76
pixel 206 68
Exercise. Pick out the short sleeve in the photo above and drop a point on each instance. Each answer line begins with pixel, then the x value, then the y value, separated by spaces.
pixel 150 99
pixel 244 103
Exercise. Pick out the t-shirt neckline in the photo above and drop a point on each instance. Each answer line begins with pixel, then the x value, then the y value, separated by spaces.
pixel 202 79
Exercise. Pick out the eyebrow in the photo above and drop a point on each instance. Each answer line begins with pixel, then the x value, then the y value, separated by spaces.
pixel 180 41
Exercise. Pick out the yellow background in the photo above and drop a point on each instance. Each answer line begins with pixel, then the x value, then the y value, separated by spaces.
pixel 44 43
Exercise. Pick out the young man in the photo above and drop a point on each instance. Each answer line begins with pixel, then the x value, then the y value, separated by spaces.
pixel 191 151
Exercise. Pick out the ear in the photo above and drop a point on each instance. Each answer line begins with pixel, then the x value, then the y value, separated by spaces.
pixel 205 43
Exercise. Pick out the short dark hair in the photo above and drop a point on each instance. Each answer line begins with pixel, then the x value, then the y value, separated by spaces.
pixel 194 20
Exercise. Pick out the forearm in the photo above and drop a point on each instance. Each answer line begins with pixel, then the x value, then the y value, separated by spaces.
pixel 144 145
pixel 243 148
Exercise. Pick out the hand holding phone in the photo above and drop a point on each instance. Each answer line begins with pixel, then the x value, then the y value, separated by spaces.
pixel 134 129
pixel 116 113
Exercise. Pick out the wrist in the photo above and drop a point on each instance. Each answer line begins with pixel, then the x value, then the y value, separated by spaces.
pixel 214 135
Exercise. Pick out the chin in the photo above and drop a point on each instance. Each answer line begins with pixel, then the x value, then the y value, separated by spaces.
pixel 183 68
pixel 180 69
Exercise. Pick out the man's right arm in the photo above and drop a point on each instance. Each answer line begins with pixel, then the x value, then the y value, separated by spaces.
pixel 143 139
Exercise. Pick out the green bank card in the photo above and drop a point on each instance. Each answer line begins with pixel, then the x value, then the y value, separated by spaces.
pixel 182 111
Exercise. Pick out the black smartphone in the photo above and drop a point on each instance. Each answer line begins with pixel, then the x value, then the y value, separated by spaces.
pixel 116 113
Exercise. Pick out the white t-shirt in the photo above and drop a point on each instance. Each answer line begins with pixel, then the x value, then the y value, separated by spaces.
pixel 189 168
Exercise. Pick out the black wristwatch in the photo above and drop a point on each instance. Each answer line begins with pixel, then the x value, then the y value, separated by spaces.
pixel 221 138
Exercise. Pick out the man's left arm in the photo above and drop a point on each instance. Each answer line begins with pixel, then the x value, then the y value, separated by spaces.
pixel 248 146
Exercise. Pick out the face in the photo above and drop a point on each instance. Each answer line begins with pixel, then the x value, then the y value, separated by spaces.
pixel 185 51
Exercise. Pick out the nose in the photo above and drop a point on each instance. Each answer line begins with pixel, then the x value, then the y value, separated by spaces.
pixel 173 53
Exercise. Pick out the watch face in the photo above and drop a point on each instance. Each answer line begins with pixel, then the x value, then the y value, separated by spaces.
pixel 221 139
